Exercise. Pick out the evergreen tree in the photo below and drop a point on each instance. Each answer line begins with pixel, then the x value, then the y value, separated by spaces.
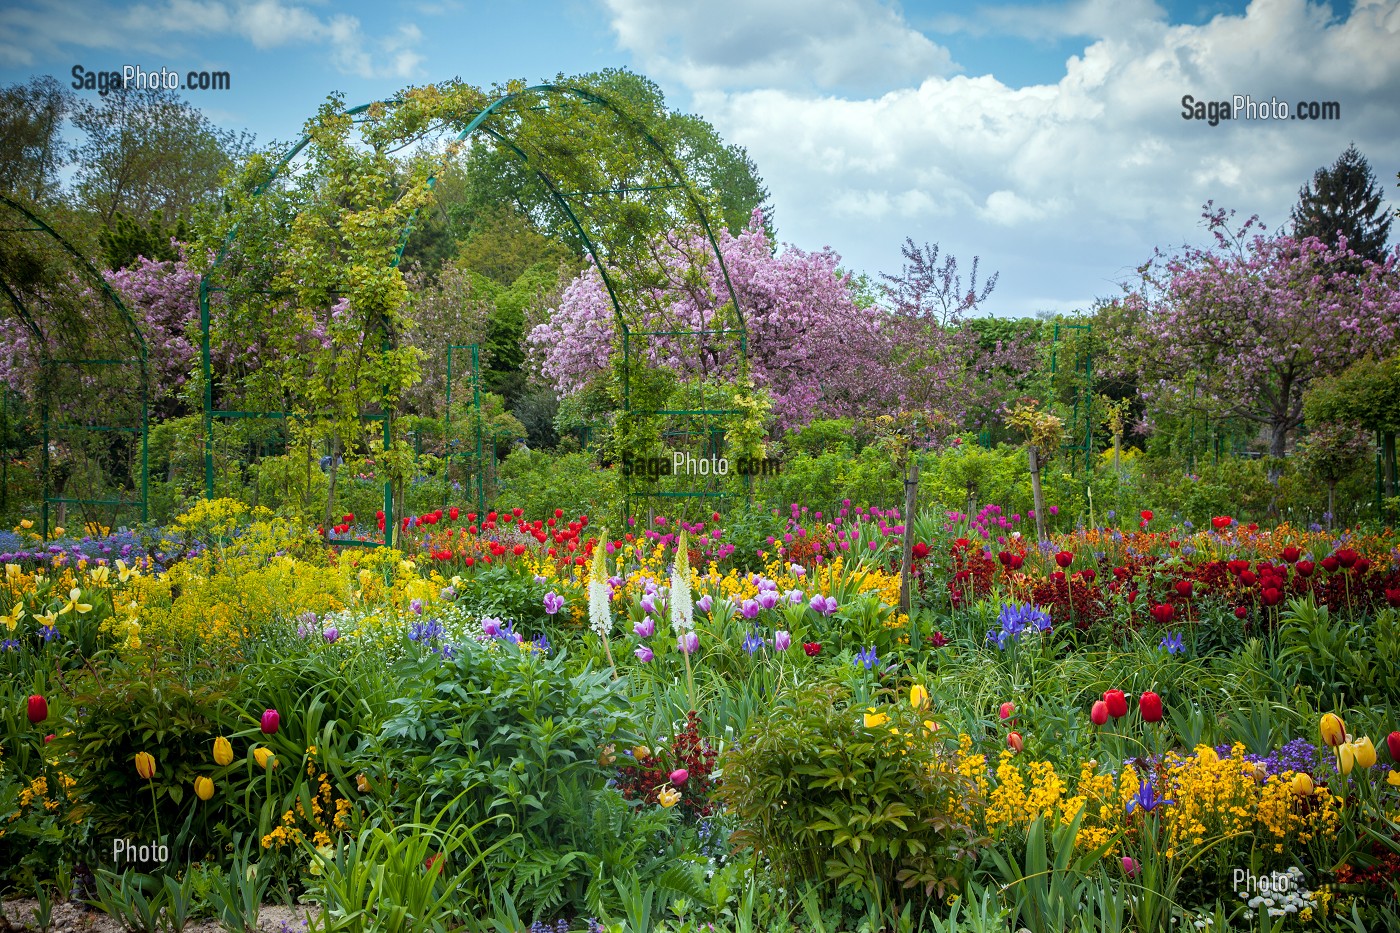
pixel 1344 199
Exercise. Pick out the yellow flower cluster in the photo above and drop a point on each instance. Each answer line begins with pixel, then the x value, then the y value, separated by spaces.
pixel 1035 789
pixel 329 814
pixel 1219 797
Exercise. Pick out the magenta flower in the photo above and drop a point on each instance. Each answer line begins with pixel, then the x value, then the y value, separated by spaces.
pixel 782 641
pixel 704 603
pixel 553 602
pixel 643 653
pixel 645 628
pixel 271 720
pixel 749 609
pixel 688 643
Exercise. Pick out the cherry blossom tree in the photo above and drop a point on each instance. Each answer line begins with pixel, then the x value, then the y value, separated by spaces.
pixel 1250 323
pixel 809 345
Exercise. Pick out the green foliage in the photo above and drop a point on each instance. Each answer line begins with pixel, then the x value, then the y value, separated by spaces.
pixel 823 798
pixel 126 711
pixel 509 741
pixel 123 240
pixel 540 481
pixel 1345 660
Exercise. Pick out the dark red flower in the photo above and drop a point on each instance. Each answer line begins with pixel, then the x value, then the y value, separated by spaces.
pixel 1271 596
pixel 1392 744
pixel 1116 702
pixel 1392 596
pixel 920 550
pixel 1183 589
pixel 1347 557
pixel 1162 612
pixel 938 640
pixel 38 709
pixel 1304 568
pixel 1291 554
pixel 1146 515
pixel 1241 612
pixel 1330 564
pixel 812 648
pixel 1064 559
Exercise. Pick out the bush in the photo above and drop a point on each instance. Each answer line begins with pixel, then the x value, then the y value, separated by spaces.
pixel 873 803
pixel 540 482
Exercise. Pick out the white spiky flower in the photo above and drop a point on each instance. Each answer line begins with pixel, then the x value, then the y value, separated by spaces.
pixel 682 610
pixel 599 607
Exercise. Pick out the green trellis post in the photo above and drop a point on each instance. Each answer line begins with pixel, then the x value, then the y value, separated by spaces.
pixel 1084 392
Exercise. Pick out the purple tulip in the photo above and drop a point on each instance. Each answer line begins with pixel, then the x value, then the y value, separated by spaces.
pixel 416 607
pixel 749 609
pixel 645 628
pixel 490 627
pixel 782 641
pixel 553 602
pixel 649 603
pixel 643 653
pixel 688 643
pixel 768 599
pixel 795 596
pixel 331 635
pixel 271 720
pixel 704 603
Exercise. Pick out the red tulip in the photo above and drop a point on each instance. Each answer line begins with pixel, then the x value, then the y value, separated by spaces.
pixel 1008 709
pixel 1271 596
pixel 1064 559
pixel 812 648
pixel 48 738
pixel 1393 598
pixel 1291 554
pixel 1362 565
pixel 1183 589
pixel 1016 743
pixel 1241 612
pixel 920 550
pixel 1150 705
pixel 1146 515
pixel 271 719
pixel 1392 744
pixel 1305 568
pixel 1238 567
pixel 1248 578
pixel 38 709
pixel 1347 557
pixel 1330 564
pixel 1162 612
pixel 1098 713
pixel 1117 703
pixel 1016 561
pixel 1220 522
pixel 453 512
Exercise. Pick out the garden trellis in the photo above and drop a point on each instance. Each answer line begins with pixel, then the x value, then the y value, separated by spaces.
pixel 89 372
pixel 607 178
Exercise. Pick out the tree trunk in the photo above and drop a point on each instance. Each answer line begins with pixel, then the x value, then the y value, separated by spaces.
pixel 1388 457
pixel 1278 446
pixel 911 501
pixel 1037 498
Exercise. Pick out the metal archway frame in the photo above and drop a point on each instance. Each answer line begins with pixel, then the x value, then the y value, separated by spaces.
pixel 50 364
pixel 479 121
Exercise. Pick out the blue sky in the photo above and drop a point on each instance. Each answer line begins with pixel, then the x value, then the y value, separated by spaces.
pixel 1046 138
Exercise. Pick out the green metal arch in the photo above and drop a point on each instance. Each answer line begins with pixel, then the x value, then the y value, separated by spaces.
pixel 477 122
pixel 138 340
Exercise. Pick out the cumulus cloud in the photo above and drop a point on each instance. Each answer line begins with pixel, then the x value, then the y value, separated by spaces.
pixel 44 29
pixel 858 45
pixel 1063 186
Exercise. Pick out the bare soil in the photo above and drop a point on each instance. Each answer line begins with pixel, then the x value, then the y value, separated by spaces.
pixel 72 917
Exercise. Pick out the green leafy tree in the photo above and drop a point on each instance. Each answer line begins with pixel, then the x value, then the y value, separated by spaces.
pixel 124 241
pixel 1332 452
pixel 32 149
pixel 148 150
pixel 1367 394
pixel 1345 200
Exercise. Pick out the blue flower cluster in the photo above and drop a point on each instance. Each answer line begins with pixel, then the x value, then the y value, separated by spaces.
pixel 1017 621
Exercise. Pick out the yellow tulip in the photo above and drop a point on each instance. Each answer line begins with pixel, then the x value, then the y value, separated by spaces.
pixel 918 696
pixel 1346 757
pixel 873 719
pixel 641 753
pixel 668 797
pixel 25 523
pixel 1334 731
pixel 1393 778
pixel 145 765
pixel 203 787
pixel 1365 752
pixel 930 725
pixel 1303 785
pixel 223 751
pixel 99 576
pixel 263 756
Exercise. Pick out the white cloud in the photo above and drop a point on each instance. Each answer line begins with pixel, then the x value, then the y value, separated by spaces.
pixel 859 45
pixel 48 28
pixel 1071 183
